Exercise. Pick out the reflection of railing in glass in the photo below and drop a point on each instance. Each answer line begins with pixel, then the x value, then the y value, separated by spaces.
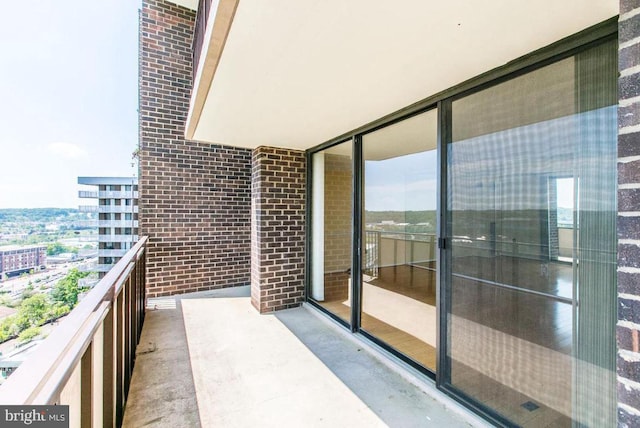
pixel 385 249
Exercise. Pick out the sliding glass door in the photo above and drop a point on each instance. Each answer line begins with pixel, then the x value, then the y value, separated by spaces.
pixel 477 240
pixel 332 231
pixel 530 244
pixel 399 236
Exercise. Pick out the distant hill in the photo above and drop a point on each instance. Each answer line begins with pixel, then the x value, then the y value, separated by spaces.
pixel 27 226
pixel 40 215
pixel 411 217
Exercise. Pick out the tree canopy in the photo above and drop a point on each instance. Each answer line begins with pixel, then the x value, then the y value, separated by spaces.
pixel 56 248
pixel 66 290
pixel 37 309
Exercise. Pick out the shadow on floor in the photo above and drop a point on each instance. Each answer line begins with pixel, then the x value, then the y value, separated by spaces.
pixel 228 361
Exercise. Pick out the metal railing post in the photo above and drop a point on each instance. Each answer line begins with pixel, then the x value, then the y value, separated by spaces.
pixel 86 388
pixel 108 375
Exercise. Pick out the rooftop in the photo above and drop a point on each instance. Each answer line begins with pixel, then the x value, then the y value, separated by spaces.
pixel 5 248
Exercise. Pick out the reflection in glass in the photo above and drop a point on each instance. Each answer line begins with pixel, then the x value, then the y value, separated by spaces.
pixel 399 264
pixel 332 217
pixel 531 244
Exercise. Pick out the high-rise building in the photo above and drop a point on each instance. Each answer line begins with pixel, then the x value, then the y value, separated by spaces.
pixel 117 216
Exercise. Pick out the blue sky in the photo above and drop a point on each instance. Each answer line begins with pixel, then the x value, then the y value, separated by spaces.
pixel 68 97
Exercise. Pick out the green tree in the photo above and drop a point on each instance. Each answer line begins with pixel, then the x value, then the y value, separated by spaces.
pixel 56 311
pixel 8 328
pixel 29 334
pixel 66 290
pixel 33 311
pixel 56 248
pixel 27 291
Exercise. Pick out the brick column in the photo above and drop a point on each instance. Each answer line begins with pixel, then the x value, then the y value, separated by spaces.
pixel 628 329
pixel 277 228
pixel 195 197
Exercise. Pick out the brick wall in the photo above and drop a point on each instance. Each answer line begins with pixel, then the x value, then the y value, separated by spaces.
pixel 628 329
pixel 277 228
pixel 338 194
pixel 194 197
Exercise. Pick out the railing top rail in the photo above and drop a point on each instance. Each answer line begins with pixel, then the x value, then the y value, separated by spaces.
pixel 50 390
pixel 391 232
pixel 30 379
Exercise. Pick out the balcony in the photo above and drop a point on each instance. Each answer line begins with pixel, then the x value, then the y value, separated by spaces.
pixel 117 238
pixel 209 359
pixel 315 373
pixel 117 194
pixel 87 361
pixel 117 223
pixel 87 194
pixel 116 209
pixel 111 253
pixel 102 267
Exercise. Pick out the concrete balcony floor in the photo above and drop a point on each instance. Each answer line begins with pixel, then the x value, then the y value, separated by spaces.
pixel 209 359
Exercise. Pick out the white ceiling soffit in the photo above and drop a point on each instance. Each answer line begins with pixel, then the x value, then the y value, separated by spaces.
pixel 189 4
pixel 298 73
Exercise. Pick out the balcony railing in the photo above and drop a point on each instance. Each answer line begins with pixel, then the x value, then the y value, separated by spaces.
pixel 117 238
pixel 204 7
pixel 87 194
pixel 117 194
pixel 118 223
pixel 88 359
pixel 386 248
pixel 116 209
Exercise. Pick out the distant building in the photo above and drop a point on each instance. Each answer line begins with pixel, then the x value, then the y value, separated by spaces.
pixel 15 260
pixel 117 216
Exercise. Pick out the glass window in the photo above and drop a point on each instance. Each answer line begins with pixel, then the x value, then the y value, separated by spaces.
pixel 531 244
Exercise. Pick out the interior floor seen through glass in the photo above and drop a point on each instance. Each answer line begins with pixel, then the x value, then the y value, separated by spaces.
pixel 399 238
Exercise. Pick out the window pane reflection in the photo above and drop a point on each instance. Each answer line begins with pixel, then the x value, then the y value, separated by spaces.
pixel 332 218
pixel 399 265
pixel 531 226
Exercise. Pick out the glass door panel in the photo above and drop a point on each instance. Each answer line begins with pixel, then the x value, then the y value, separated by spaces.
pixel 332 231
pixel 399 237
pixel 531 244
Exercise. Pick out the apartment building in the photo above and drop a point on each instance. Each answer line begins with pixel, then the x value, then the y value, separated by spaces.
pixel 456 182
pixel 15 260
pixel 117 208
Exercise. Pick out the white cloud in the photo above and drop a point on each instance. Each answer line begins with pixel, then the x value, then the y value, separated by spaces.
pixel 67 150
